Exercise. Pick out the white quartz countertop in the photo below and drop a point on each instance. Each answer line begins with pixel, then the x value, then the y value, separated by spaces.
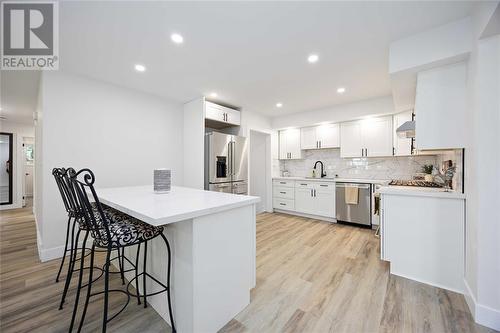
pixel 339 180
pixel 181 203
pixel 420 191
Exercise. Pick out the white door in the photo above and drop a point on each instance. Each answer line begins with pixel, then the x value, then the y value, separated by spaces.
pixel 324 202
pixel 402 146
pixel 304 200
pixel 350 139
pixel 377 136
pixel 328 135
pixel 308 138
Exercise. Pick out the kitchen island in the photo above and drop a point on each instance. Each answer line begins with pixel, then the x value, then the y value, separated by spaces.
pixel 422 234
pixel 212 236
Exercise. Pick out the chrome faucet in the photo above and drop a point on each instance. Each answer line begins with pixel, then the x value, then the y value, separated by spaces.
pixel 323 174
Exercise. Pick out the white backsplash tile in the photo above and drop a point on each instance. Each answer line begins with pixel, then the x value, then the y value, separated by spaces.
pixel 365 168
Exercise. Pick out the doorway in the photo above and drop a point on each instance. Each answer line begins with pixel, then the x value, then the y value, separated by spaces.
pixel 28 172
pixel 6 154
pixel 260 169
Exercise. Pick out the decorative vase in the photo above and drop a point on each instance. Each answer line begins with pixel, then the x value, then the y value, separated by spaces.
pixel 162 180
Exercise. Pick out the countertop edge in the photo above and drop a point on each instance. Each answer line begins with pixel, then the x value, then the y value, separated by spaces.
pixel 422 193
pixel 250 200
pixel 333 180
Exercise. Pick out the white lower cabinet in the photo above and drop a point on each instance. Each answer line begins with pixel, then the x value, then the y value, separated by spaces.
pixel 315 198
pixel 312 198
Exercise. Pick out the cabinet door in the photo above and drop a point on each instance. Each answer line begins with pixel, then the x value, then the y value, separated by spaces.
pixel 328 136
pixel 304 201
pixel 283 153
pixel 308 139
pixel 293 143
pixel 324 202
pixel 377 136
pixel 350 139
pixel 233 116
pixel 214 112
pixel 402 146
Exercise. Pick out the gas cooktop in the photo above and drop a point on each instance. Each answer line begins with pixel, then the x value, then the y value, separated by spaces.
pixel 419 183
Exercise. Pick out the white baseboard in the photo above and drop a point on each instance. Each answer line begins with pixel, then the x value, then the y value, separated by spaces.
pixel 315 217
pixel 483 315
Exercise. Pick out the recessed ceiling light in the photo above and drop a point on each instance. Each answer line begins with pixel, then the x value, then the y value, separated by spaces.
pixel 176 38
pixel 341 90
pixel 140 68
pixel 278 105
pixel 313 58
pixel 213 95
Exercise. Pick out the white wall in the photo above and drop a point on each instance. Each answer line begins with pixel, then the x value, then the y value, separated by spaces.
pixel 336 113
pixel 19 131
pixel 259 171
pixel 482 174
pixel 121 134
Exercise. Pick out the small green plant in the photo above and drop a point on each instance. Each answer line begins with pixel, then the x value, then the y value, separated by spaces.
pixel 427 169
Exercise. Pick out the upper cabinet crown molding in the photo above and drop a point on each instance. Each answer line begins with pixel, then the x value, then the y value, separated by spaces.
pixel 319 137
pixel 223 115
pixel 440 107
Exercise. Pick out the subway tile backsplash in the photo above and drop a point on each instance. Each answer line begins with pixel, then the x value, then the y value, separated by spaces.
pixel 365 168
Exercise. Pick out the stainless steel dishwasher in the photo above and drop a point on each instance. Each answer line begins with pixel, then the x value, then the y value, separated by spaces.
pixel 359 213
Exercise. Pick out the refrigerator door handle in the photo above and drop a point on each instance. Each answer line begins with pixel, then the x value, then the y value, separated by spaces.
pixel 229 159
pixel 233 152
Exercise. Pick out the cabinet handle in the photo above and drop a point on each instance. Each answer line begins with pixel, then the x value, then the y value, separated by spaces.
pixel 323 185
pixel 315 193
pixel 282 204
pixel 362 152
pixel 319 144
pixel 282 192
pixel 282 182
pixel 366 152
pixel 393 151
pixel 311 192
pixel 303 184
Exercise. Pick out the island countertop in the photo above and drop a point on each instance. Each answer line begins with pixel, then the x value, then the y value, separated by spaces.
pixel 181 203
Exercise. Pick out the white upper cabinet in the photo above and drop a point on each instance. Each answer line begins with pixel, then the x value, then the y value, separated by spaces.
pixel 328 135
pixel 308 138
pixel 366 138
pixel 402 146
pixel 289 144
pixel 440 107
pixel 351 143
pixel 222 114
pixel 377 136
pixel 318 137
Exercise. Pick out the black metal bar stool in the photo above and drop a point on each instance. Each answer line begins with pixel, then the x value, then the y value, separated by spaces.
pixel 114 231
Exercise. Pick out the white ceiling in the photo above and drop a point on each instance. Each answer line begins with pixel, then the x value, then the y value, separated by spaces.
pixel 253 54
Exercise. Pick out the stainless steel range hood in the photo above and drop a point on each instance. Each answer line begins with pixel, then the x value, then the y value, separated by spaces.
pixel 406 130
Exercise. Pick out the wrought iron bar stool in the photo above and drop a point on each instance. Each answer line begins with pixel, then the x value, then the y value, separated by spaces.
pixel 115 232
pixel 74 220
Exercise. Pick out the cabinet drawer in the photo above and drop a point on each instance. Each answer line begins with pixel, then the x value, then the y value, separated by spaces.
pixel 283 192
pixel 283 183
pixel 325 187
pixel 285 204
pixel 303 184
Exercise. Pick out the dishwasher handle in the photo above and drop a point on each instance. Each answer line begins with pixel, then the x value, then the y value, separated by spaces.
pixel 360 186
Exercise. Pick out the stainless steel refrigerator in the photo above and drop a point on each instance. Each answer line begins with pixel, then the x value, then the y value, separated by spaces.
pixel 226 166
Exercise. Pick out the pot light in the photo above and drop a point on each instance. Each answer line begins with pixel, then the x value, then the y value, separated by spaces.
pixel 313 58
pixel 340 90
pixel 140 68
pixel 213 95
pixel 278 105
pixel 176 38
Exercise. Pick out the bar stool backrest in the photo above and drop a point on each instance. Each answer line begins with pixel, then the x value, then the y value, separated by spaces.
pixel 58 174
pixel 82 182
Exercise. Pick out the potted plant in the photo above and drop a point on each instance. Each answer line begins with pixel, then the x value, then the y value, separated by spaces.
pixel 427 169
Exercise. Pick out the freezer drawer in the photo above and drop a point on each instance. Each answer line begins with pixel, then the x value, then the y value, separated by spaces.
pixel 360 213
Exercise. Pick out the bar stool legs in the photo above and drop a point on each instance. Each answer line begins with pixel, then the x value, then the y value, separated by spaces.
pixel 80 277
pixel 74 248
pixel 89 288
pixel 170 312
pixel 65 249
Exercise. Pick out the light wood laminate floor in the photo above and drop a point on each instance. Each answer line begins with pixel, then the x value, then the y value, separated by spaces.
pixel 312 276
